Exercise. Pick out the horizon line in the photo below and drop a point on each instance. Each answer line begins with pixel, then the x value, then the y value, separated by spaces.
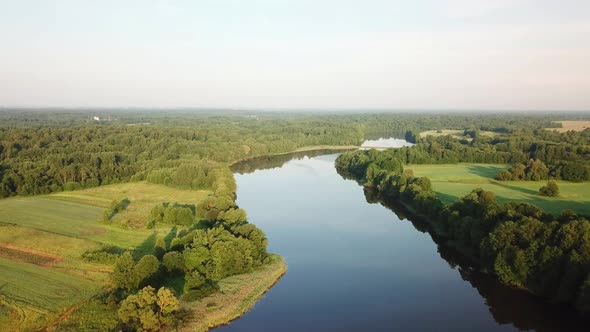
pixel 288 109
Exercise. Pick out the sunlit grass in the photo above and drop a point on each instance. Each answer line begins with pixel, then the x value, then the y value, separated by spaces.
pixel 453 181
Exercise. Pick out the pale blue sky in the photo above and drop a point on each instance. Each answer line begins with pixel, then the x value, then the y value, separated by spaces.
pixel 428 54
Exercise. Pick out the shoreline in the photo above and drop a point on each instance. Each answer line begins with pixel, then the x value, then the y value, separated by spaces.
pixel 301 149
pixel 237 296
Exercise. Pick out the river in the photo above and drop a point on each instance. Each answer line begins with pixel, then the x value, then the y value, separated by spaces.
pixel 357 266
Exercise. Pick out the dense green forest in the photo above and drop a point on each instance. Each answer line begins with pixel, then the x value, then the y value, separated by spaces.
pixel 44 151
pixel 518 242
pixel 47 159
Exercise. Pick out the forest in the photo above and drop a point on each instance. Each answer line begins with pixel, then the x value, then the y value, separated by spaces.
pixel 43 151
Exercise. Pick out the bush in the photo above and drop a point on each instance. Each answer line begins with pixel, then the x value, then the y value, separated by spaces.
pixel 551 189
pixel 504 175
pixel 105 255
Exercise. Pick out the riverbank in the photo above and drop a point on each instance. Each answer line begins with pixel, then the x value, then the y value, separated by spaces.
pixel 496 235
pixel 325 147
pixel 302 149
pixel 236 296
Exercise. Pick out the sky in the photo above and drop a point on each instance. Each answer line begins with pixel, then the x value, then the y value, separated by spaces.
pixel 296 54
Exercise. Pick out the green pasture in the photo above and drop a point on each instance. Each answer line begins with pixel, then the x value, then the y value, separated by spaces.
pixel 32 294
pixel 77 214
pixel 71 219
pixel 452 181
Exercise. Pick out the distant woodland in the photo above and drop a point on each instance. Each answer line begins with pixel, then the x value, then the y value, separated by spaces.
pixel 43 151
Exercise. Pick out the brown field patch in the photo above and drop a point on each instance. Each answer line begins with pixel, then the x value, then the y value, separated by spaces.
pixel 572 125
pixel 27 256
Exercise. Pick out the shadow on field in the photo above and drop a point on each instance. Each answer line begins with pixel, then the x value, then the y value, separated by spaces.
pixel 516 188
pixel 555 207
pixel 176 283
pixel 446 198
pixel 485 171
pixel 171 235
pixel 146 247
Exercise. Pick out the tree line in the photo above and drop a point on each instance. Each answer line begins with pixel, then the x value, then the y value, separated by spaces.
pixel 43 151
pixel 535 170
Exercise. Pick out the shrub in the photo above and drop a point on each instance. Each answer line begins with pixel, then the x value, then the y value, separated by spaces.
pixel 551 189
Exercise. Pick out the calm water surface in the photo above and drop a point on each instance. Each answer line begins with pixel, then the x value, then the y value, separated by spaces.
pixel 355 266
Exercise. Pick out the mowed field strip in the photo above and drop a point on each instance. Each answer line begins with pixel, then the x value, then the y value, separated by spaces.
pixel 453 181
pixel 43 238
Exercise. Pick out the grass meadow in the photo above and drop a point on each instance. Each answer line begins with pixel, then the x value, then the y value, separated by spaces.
pixel 43 238
pixel 452 181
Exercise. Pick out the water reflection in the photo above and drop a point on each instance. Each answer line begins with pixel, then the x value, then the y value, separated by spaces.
pixel 385 143
pixel 268 162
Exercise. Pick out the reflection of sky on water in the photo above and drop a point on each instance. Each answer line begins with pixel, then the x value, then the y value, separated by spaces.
pixel 385 143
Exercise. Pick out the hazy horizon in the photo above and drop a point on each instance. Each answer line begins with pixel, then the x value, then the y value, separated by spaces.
pixel 115 109
pixel 289 55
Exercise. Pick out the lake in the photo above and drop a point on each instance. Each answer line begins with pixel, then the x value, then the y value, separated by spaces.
pixel 357 266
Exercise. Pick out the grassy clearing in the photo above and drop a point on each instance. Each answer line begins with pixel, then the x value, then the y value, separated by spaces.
pixel 571 125
pixel 453 181
pixel 76 214
pixel 71 219
pixel 237 295
pixel 143 197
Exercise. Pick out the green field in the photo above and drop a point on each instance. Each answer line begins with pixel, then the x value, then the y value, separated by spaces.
pixel 35 290
pixel 35 294
pixel 453 181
